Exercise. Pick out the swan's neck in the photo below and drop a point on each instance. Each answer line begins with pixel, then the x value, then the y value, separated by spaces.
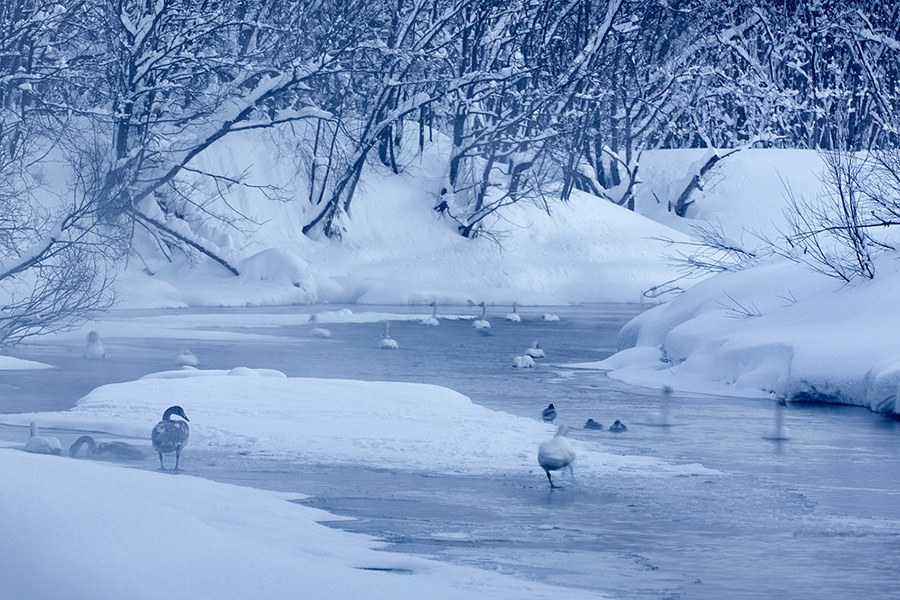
pixel 32 427
pixel 387 330
pixel 434 310
pixel 483 311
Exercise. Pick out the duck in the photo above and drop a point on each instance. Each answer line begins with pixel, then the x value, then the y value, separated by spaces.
pixel 170 436
pixel 387 343
pixel 432 320
pixel 39 444
pixel 551 317
pixel 592 424
pixel 549 413
pixel 535 351
pixel 94 349
pixel 482 322
pixel 514 315
pixel 618 427
pixel 105 449
pixel 523 362
pixel 186 358
pixel 555 454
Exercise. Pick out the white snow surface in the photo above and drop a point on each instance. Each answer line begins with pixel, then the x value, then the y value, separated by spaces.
pixel 10 363
pixel 83 530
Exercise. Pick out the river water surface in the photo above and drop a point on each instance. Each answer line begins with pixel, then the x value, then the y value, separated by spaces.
pixel 815 516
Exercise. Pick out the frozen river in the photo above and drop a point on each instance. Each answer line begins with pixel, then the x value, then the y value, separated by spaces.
pixel 815 516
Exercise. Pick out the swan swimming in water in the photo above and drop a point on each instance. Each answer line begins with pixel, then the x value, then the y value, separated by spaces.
pixel 549 413
pixel 432 320
pixel 550 317
pixel 535 351
pixel 186 358
pixel 94 348
pixel 170 436
pixel 514 315
pixel 523 362
pixel 321 332
pixel 482 322
pixel 387 343
pixel 39 444
pixel 105 449
pixel 556 453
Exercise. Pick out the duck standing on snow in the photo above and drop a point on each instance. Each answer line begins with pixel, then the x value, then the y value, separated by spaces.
pixel 556 453
pixel 170 436
pixel 39 444
pixel 514 315
pixel 387 343
pixel 94 349
pixel 186 358
pixel 105 449
pixel 482 322
pixel 432 320
pixel 535 351
pixel 549 413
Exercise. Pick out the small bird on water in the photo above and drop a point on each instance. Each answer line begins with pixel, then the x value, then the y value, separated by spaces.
pixel 549 413
pixel 170 436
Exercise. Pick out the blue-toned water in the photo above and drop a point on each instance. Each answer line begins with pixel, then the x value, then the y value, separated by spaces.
pixel 815 516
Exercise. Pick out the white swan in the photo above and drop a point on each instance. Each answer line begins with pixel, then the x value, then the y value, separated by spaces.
pixel 535 351
pixel 321 332
pixel 523 362
pixel 105 449
pixel 386 342
pixel 549 413
pixel 39 444
pixel 514 315
pixel 186 358
pixel 94 348
pixel 482 322
pixel 556 453
pixel 551 317
pixel 432 320
pixel 170 436
pixel 661 417
pixel 779 433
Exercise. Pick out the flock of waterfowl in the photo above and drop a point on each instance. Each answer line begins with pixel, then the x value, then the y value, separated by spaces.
pixel 169 436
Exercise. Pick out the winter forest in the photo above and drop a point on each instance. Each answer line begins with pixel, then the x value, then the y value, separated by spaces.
pixel 528 100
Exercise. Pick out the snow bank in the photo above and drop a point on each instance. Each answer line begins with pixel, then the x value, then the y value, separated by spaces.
pixel 396 249
pixel 10 363
pixel 777 328
pixel 82 530
pixel 401 426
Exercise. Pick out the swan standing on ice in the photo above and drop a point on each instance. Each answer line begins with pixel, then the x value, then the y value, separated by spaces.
pixel 386 342
pixel 432 320
pixel 661 417
pixel 523 362
pixel 549 413
pixel 535 351
pixel 556 453
pixel 482 322
pixel 186 358
pixel 105 449
pixel 778 433
pixel 170 436
pixel 39 444
pixel 94 348
pixel 514 316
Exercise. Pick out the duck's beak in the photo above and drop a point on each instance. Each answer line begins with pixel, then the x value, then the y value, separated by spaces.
pixel 184 416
